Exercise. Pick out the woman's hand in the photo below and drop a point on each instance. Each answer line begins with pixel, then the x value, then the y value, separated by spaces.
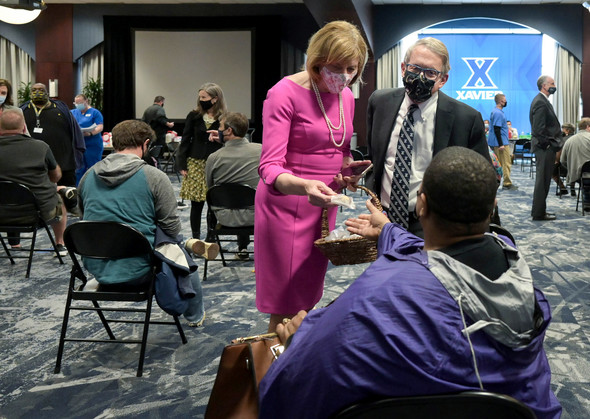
pixel 368 225
pixel 183 173
pixel 318 193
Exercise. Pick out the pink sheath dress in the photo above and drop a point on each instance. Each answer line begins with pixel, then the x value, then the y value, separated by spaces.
pixel 290 271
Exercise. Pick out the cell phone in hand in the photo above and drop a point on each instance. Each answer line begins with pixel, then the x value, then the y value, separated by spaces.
pixel 357 168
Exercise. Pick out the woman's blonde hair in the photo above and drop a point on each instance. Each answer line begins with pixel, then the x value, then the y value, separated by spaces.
pixel 214 91
pixel 337 41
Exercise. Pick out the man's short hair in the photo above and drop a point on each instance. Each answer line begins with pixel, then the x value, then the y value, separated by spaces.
pixel 569 127
pixel 159 99
pixel 460 186
pixel 131 134
pixel 498 97
pixel 583 124
pixel 436 47
pixel 541 81
pixel 12 119
pixel 238 122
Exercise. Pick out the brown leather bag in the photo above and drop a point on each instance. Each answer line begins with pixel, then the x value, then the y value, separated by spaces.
pixel 241 367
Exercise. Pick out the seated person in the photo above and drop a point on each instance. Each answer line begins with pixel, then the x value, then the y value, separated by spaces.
pixel 454 312
pixel 574 154
pixel 30 162
pixel 237 162
pixel 124 188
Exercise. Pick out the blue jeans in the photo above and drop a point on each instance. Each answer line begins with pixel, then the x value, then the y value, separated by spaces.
pixel 196 309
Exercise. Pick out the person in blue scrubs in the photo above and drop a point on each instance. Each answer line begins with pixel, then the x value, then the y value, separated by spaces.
pixel 91 122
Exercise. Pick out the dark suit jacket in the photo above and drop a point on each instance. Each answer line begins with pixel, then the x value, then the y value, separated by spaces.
pixel 456 124
pixel 544 123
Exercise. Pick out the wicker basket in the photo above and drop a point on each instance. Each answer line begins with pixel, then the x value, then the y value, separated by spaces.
pixel 349 251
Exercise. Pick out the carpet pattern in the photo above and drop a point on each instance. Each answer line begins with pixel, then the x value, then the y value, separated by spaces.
pixel 98 381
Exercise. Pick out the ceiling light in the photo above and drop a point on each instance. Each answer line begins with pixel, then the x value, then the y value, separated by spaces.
pixel 19 12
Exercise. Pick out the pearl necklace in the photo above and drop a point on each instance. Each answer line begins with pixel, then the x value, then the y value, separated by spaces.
pixel 328 122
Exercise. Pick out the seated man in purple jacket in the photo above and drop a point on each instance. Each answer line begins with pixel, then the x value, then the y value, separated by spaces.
pixel 454 312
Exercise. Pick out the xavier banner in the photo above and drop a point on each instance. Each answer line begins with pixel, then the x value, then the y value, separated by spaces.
pixel 485 64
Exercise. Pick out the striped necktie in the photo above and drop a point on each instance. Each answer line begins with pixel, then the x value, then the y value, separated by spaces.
pixel 400 183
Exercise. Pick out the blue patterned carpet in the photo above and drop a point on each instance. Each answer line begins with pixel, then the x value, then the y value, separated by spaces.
pixel 98 381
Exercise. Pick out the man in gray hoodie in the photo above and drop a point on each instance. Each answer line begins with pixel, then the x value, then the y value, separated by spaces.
pixel 123 188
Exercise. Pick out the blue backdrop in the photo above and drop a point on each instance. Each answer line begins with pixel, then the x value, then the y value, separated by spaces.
pixel 485 64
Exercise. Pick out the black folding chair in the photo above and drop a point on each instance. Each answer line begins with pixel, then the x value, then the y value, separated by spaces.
pixel 17 200
pixel 584 183
pixel 108 240
pixel 169 163
pixel 465 405
pixel 499 230
pixel 231 196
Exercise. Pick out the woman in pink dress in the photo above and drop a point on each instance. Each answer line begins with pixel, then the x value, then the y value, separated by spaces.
pixel 307 120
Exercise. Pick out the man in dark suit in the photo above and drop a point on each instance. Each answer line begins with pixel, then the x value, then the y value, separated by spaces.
pixel 439 121
pixel 545 141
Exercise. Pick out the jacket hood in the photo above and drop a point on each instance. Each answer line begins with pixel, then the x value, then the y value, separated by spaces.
pixel 504 309
pixel 116 168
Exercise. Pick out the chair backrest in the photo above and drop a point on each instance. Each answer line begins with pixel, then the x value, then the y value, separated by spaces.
pixel 495 228
pixel 466 405
pixel 18 200
pixel 12 194
pixel 586 167
pixel 106 240
pixel 357 155
pixel 231 196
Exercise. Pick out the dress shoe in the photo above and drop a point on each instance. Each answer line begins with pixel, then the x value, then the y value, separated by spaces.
pixel 546 217
pixel 561 192
pixel 207 250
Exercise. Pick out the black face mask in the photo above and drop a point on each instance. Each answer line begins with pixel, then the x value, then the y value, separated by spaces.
pixel 552 90
pixel 418 87
pixel 505 104
pixel 206 104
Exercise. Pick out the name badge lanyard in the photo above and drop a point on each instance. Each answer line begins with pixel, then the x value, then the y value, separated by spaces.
pixel 38 128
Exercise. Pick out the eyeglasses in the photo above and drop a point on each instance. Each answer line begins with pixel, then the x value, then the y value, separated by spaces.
pixel 429 73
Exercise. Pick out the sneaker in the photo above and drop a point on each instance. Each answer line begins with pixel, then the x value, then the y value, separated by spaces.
pixel 181 205
pixel 199 323
pixel 242 255
pixel 61 249
pixel 207 250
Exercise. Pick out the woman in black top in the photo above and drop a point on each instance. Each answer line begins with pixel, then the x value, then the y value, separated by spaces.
pixel 196 147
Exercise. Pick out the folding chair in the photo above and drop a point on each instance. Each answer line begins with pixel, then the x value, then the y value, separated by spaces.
pixel 231 196
pixel 499 230
pixel 465 405
pixel 584 183
pixel 169 164
pixel 18 200
pixel 109 240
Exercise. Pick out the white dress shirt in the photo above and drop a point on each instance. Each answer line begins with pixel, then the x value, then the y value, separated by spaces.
pixel 424 119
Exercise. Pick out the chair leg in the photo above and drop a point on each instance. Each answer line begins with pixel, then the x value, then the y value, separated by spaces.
pixel 218 240
pixel 31 254
pixel 180 329
pixel 146 328
pixel 62 337
pixel 7 251
pixel 578 199
pixel 104 321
